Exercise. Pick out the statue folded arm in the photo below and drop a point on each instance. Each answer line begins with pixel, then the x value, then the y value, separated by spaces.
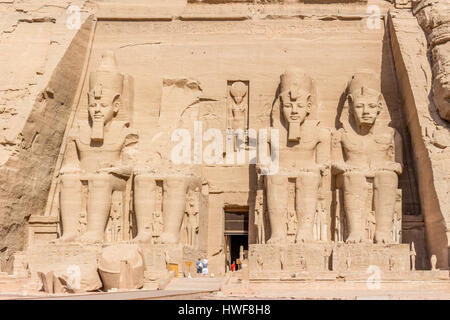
pixel 71 164
pixel 125 168
pixel 338 165
pixel 398 151
pixel 323 151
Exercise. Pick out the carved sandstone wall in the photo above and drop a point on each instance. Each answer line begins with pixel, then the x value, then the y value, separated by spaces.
pixel 430 134
pixel 41 62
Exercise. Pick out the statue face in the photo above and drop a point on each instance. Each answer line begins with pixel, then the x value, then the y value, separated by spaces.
pixel 238 99
pixel 296 108
pixel 365 109
pixel 102 110
pixel 441 98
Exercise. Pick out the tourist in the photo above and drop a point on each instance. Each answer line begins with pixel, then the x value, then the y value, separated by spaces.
pixel 199 266
pixel 205 267
pixel 233 267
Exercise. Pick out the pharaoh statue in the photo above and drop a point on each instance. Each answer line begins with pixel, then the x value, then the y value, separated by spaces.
pixel 364 149
pixel 192 218
pixel 259 218
pixel 99 151
pixel 157 226
pixel 304 150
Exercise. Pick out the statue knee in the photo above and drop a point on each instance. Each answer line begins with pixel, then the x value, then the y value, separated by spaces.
pixel 100 181
pixel 308 180
pixel 70 181
pixel 144 181
pixel 386 178
pixel 276 179
pixel 354 180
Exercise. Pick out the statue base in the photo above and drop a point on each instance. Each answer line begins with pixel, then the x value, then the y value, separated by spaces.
pixel 359 257
pixel 159 258
pixel 310 259
pixel 289 258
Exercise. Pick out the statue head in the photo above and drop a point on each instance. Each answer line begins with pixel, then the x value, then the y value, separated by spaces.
pixel 441 84
pixel 105 90
pixel 296 99
pixel 238 91
pixel 364 99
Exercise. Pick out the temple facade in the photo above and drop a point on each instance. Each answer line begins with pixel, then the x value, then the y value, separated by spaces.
pixel 288 137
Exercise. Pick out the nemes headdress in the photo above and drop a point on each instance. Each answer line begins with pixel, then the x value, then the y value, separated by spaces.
pixel 107 81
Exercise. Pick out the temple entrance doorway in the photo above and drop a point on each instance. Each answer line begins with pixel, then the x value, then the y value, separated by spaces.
pixel 236 235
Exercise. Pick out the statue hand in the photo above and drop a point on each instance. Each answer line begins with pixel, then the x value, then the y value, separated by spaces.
pixel 324 169
pixel 392 166
pixel 342 167
pixel 116 170
pixel 141 170
pixel 70 170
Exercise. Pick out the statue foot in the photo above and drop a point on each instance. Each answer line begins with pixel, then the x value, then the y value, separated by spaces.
pixel 69 237
pixel 383 238
pixel 353 239
pixel 168 238
pixel 276 240
pixel 91 237
pixel 303 237
pixel 143 237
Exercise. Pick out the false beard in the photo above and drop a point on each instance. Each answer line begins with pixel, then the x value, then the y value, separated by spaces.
pixel 294 131
pixel 97 133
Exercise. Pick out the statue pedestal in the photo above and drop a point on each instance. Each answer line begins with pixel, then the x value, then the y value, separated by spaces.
pixel 361 256
pixel 161 258
pixel 43 256
pixel 289 258
pixel 309 259
pixel 179 258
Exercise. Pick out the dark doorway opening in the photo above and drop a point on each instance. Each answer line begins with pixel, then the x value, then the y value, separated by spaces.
pixel 236 236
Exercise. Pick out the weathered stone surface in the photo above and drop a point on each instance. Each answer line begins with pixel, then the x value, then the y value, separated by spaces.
pixel 142 140
pixel 425 125
pixel 42 63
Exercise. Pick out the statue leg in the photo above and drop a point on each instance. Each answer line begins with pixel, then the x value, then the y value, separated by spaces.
pixel 144 205
pixel 385 192
pixel 189 233
pixel 99 206
pixel 306 193
pixel 174 204
pixel 355 191
pixel 70 203
pixel 277 200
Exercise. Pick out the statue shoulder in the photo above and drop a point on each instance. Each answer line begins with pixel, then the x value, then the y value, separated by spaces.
pixel 130 134
pixel 386 135
pixel 336 135
pixel 80 132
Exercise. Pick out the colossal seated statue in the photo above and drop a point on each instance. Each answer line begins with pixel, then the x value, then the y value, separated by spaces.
pixel 99 151
pixel 304 150
pixel 365 148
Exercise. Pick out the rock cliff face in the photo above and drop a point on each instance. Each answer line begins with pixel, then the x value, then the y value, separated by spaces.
pixel 42 57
